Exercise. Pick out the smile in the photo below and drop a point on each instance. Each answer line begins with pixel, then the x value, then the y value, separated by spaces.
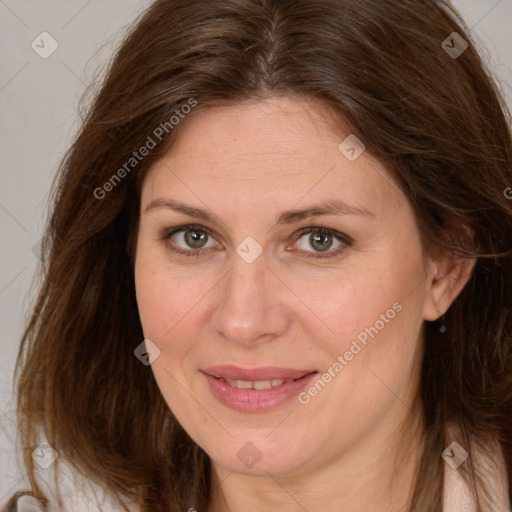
pixel 255 390
pixel 256 384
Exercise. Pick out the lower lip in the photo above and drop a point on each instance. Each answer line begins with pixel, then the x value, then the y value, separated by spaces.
pixel 256 400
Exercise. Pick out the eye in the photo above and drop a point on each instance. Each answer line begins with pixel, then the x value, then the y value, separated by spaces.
pixel 322 240
pixel 193 238
pixel 190 240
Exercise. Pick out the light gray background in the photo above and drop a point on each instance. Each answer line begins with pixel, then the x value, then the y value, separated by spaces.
pixel 39 114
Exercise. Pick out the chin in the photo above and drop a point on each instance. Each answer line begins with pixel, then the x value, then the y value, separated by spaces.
pixel 258 453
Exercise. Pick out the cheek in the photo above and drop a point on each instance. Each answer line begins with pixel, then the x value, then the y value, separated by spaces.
pixel 151 303
pixel 353 302
pixel 164 296
pixel 371 359
pixel 165 303
pixel 374 317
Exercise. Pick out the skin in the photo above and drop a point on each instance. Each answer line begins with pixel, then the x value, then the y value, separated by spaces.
pixel 357 441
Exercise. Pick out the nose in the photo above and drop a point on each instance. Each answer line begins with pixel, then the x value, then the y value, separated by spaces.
pixel 250 307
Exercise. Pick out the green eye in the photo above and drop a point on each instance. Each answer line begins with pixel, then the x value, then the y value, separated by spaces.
pixel 321 239
pixel 190 240
pixel 195 238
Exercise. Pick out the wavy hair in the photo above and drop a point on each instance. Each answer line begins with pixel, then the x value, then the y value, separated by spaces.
pixel 439 124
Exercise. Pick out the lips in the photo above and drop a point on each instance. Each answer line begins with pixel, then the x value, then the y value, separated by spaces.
pixel 258 389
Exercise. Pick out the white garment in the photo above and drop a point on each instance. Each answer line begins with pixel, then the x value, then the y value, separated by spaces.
pixel 457 496
pixel 28 504
pixel 77 494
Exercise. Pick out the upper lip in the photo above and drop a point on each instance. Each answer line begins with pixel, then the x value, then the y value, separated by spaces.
pixel 255 374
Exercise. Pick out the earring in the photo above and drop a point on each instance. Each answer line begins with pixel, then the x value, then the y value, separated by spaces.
pixel 442 327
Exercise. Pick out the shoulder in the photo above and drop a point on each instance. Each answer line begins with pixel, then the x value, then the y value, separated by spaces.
pixel 24 501
pixel 490 462
pixel 75 494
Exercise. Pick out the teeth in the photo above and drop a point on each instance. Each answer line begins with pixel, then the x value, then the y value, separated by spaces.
pixel 262 384
pixel 257 384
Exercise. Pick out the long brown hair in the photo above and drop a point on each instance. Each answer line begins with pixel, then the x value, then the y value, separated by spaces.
pixel 435 119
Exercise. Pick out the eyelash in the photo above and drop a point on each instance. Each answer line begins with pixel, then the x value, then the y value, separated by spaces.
pixel 344 239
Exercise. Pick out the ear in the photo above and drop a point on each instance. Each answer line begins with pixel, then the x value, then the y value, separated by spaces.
pixel 447 277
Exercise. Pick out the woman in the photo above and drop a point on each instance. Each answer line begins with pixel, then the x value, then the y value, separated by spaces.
pixel 279 269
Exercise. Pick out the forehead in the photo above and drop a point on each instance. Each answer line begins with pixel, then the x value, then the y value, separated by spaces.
pixel 276 127
pixel 279 151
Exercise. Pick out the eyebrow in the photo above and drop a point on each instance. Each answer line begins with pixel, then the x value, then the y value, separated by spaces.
pixel 332 207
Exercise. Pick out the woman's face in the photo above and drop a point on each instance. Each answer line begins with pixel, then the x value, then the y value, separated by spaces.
pixel 265 297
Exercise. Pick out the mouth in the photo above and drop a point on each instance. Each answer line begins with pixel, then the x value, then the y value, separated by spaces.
pixel 264 373
pixel 256 384
pixel 256 390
